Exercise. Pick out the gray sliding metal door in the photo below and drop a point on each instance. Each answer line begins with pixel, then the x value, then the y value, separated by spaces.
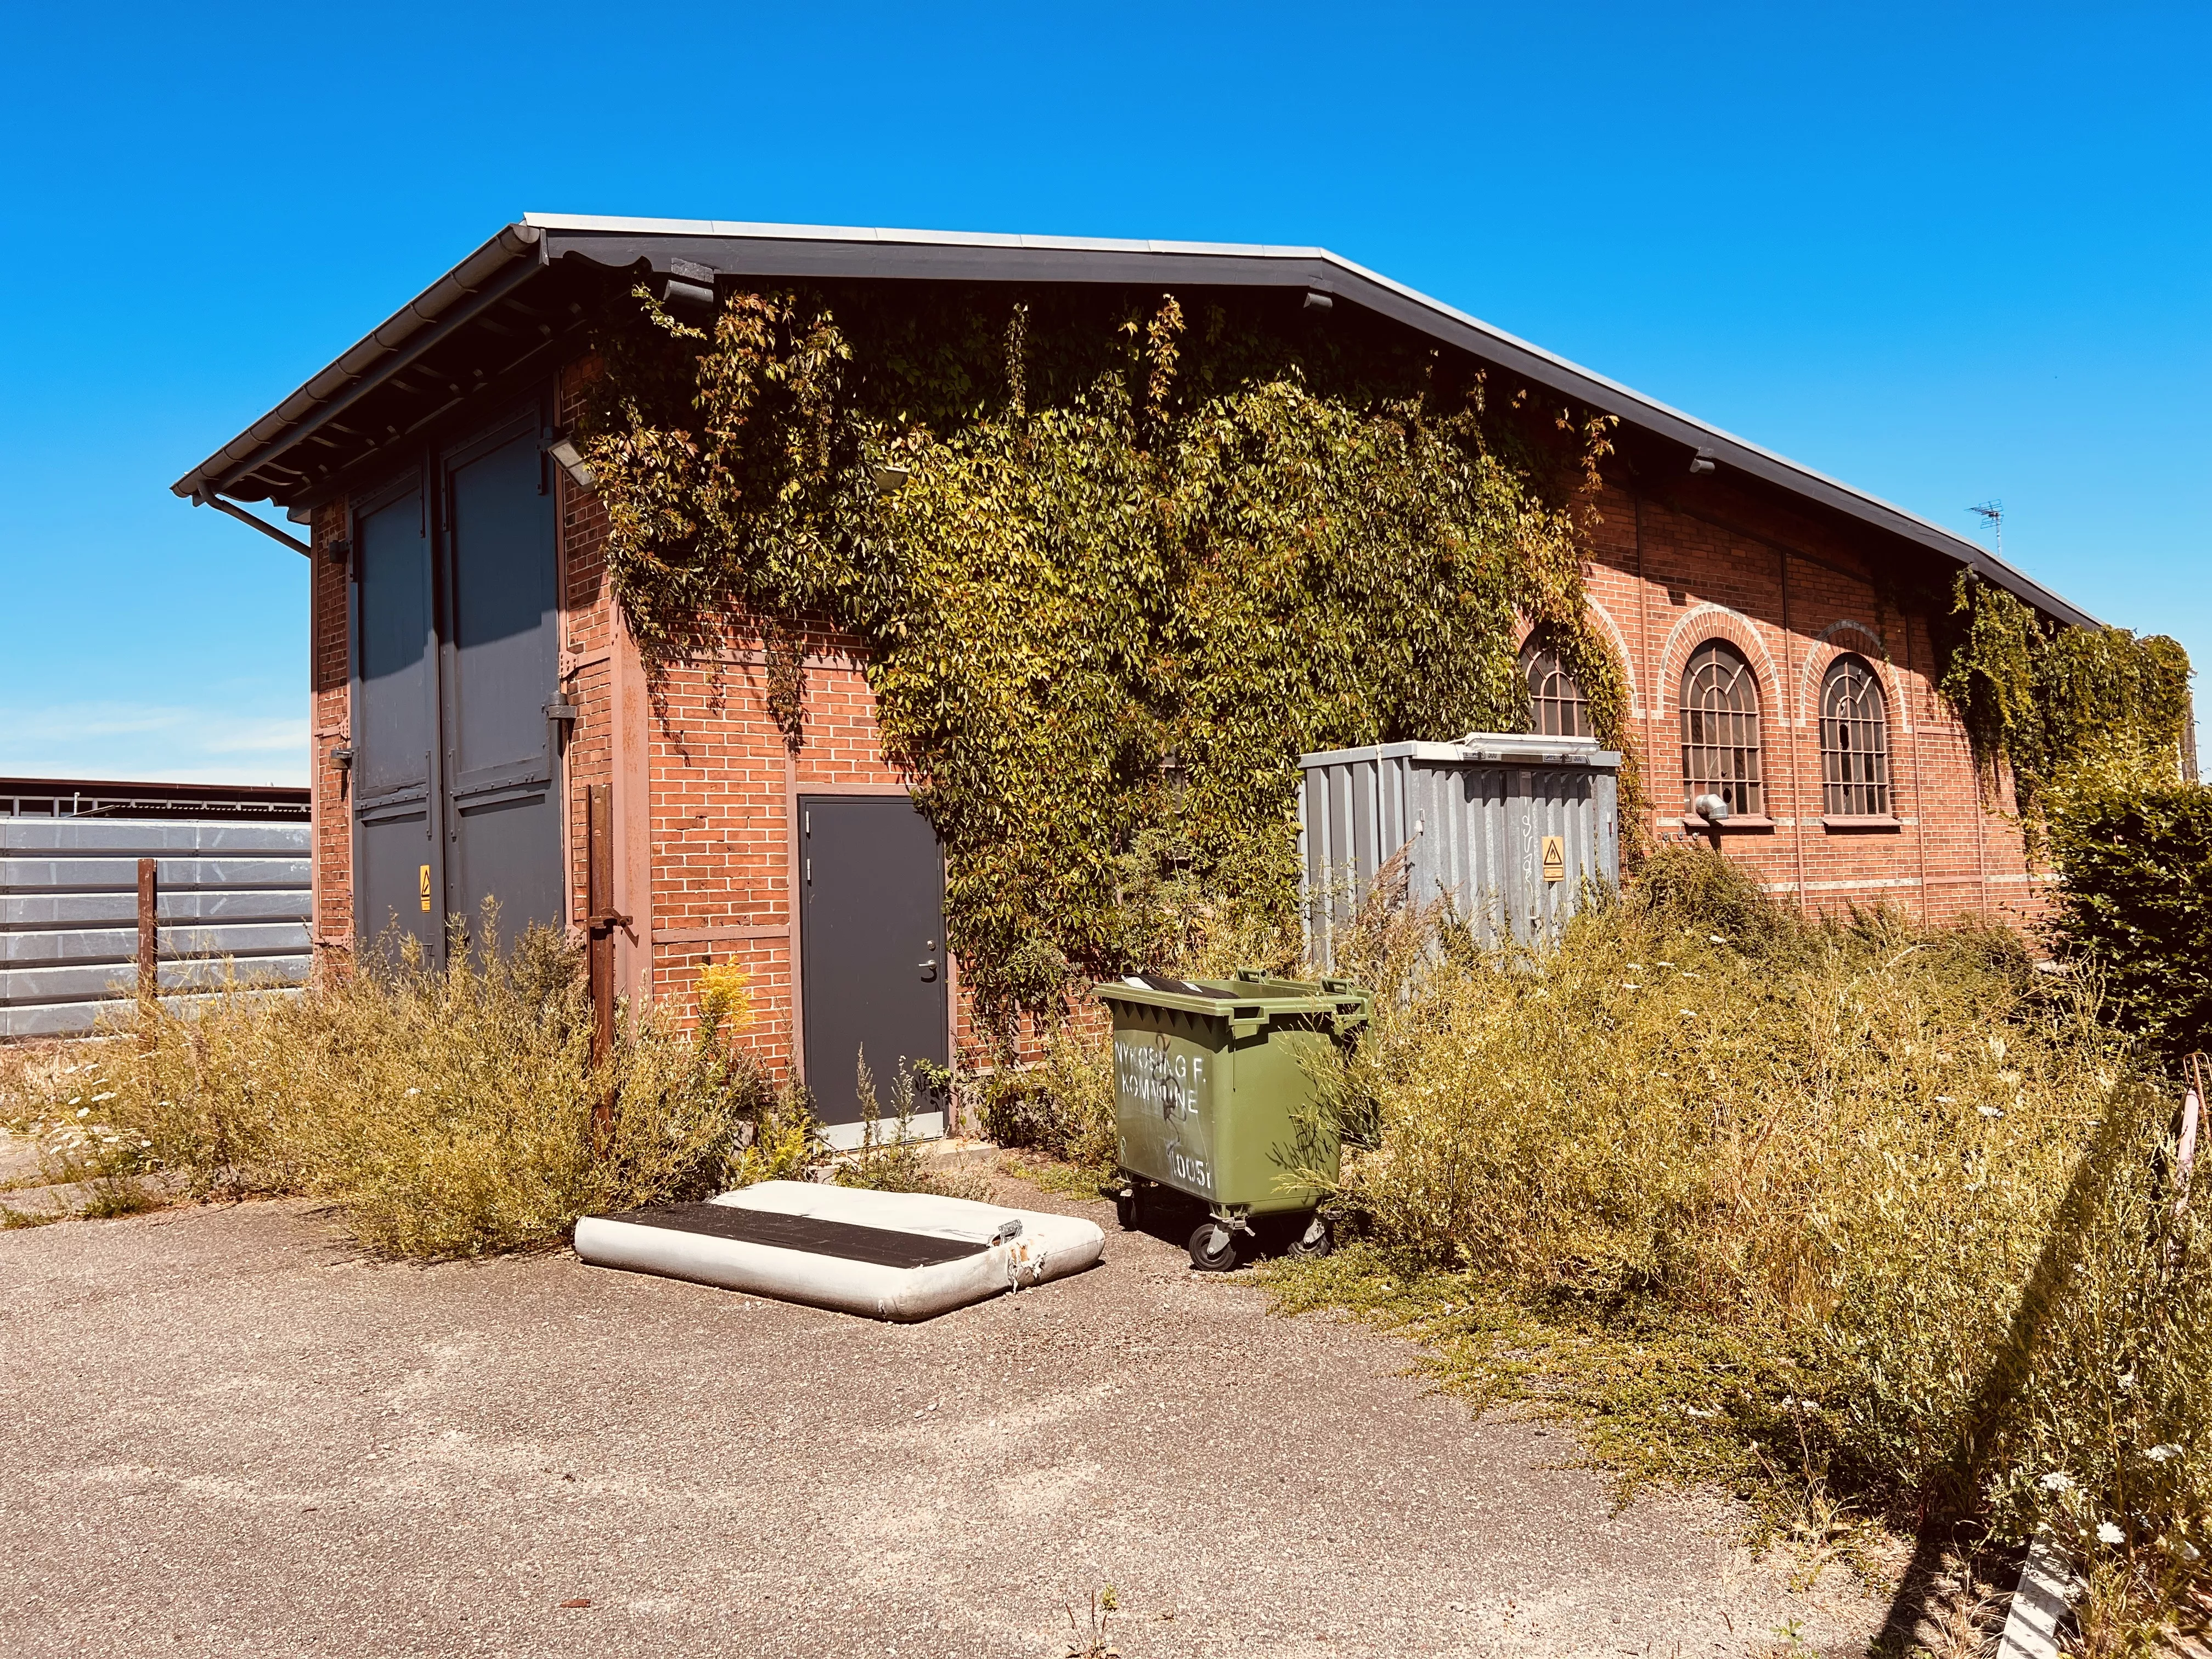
pixel 502 669
pixel 456 775
pixel 398 883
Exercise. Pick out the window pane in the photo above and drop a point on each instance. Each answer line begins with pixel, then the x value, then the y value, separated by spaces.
pixel 1854 741
pixel 1557 707
pixel 1720 729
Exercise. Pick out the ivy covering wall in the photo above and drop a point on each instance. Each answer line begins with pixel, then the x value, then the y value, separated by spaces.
pixel 1116 562
pixel 2136 902
pixel 2038 699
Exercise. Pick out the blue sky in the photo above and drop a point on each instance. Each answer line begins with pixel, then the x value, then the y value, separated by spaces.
pixel 1946 253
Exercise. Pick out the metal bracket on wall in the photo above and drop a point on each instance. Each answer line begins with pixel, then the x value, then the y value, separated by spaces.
pixel 261 525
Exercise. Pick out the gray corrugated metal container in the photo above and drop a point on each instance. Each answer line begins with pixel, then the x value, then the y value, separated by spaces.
pixel 229 891
pixel 1472 817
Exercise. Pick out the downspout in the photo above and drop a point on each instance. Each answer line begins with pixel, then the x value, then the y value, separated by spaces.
pixel 244 517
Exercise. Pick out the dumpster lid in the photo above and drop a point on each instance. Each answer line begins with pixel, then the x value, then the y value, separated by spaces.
pixel 1247 1001
pixel 1181 987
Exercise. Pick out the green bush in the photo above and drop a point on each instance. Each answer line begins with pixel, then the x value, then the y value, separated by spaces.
pixel 892 1161
pixel 450 1112
pixel 1063 1108
pixel 1135 563
pixel 1852 1212
pixel 2134 901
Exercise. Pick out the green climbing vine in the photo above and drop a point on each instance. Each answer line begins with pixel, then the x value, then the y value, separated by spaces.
pixel 1116 565
pixel 2037 699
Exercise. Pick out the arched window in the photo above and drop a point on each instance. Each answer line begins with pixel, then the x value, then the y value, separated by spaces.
pixel 1854 741
pixel 1557 707
pixel 1720 728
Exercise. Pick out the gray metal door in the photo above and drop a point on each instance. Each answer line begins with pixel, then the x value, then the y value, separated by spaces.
pixel 871 955
pixel 398 869
pixel 501 670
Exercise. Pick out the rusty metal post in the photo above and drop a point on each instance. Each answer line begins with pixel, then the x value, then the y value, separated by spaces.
pixel 149 929
pixel 601 919
pixel 599 881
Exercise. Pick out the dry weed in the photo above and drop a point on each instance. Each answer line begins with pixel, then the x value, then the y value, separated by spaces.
pixel 450 1112
pixel 1860 1219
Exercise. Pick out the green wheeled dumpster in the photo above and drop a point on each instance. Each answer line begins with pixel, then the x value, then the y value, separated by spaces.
pixel 1214 1088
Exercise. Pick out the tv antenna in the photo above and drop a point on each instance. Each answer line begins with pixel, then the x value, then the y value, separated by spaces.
pixel 1992 513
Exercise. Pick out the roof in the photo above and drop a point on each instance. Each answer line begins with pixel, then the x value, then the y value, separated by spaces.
pixel 106 798
pixel 506 305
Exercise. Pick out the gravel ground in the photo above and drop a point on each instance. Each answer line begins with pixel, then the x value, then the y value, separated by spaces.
pixel 222 1432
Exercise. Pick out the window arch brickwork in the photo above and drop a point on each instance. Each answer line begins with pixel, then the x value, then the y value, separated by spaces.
pixel 1854 740
pixel 1721 729
pixel 1696 627
pixel 1848 635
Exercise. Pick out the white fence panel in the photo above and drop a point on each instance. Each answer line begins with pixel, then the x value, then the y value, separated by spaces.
pixel 231 898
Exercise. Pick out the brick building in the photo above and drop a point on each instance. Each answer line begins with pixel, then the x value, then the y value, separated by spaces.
pixel 472 681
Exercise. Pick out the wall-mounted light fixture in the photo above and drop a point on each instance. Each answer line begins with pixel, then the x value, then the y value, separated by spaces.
pixel 1317 301
pixel 1704 461
pixel 689 284
pixel 570 460
pixel 890 477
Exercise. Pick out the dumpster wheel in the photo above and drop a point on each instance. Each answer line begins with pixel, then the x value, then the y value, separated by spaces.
pixel 1213 1247
pixel 1127 1207
pixel 1317 1240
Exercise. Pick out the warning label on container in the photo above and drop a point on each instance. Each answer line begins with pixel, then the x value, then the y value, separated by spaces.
pixel 1555 858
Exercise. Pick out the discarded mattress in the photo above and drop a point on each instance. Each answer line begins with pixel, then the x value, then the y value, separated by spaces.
pixel 901 1256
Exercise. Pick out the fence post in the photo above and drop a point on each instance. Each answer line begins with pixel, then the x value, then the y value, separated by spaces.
pixel 2192 1115
pixel 149 930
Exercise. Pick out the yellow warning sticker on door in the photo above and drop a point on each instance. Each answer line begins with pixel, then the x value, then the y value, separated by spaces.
pixel 426 881
pixel 1555 860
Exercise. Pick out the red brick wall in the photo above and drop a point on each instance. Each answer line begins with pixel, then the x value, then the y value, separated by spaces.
pixel 331 728
pixel 1685 561
pixel 723 786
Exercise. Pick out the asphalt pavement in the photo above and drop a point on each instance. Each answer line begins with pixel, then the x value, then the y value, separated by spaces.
pixel 224 1432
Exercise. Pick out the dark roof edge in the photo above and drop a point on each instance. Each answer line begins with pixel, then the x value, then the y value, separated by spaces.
pixel 798 250
pixel 514 244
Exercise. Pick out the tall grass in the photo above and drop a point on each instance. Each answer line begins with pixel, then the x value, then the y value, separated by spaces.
pixel 451 1112
pixel 1876 1215
pixel 1062 1107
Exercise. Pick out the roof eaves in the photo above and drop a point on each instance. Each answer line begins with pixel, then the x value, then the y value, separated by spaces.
pixel 352 366
pixel 752 231
pixel 1588 385
pixel 530 236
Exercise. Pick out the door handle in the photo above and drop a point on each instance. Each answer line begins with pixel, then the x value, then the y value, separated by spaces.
pixel 928 969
